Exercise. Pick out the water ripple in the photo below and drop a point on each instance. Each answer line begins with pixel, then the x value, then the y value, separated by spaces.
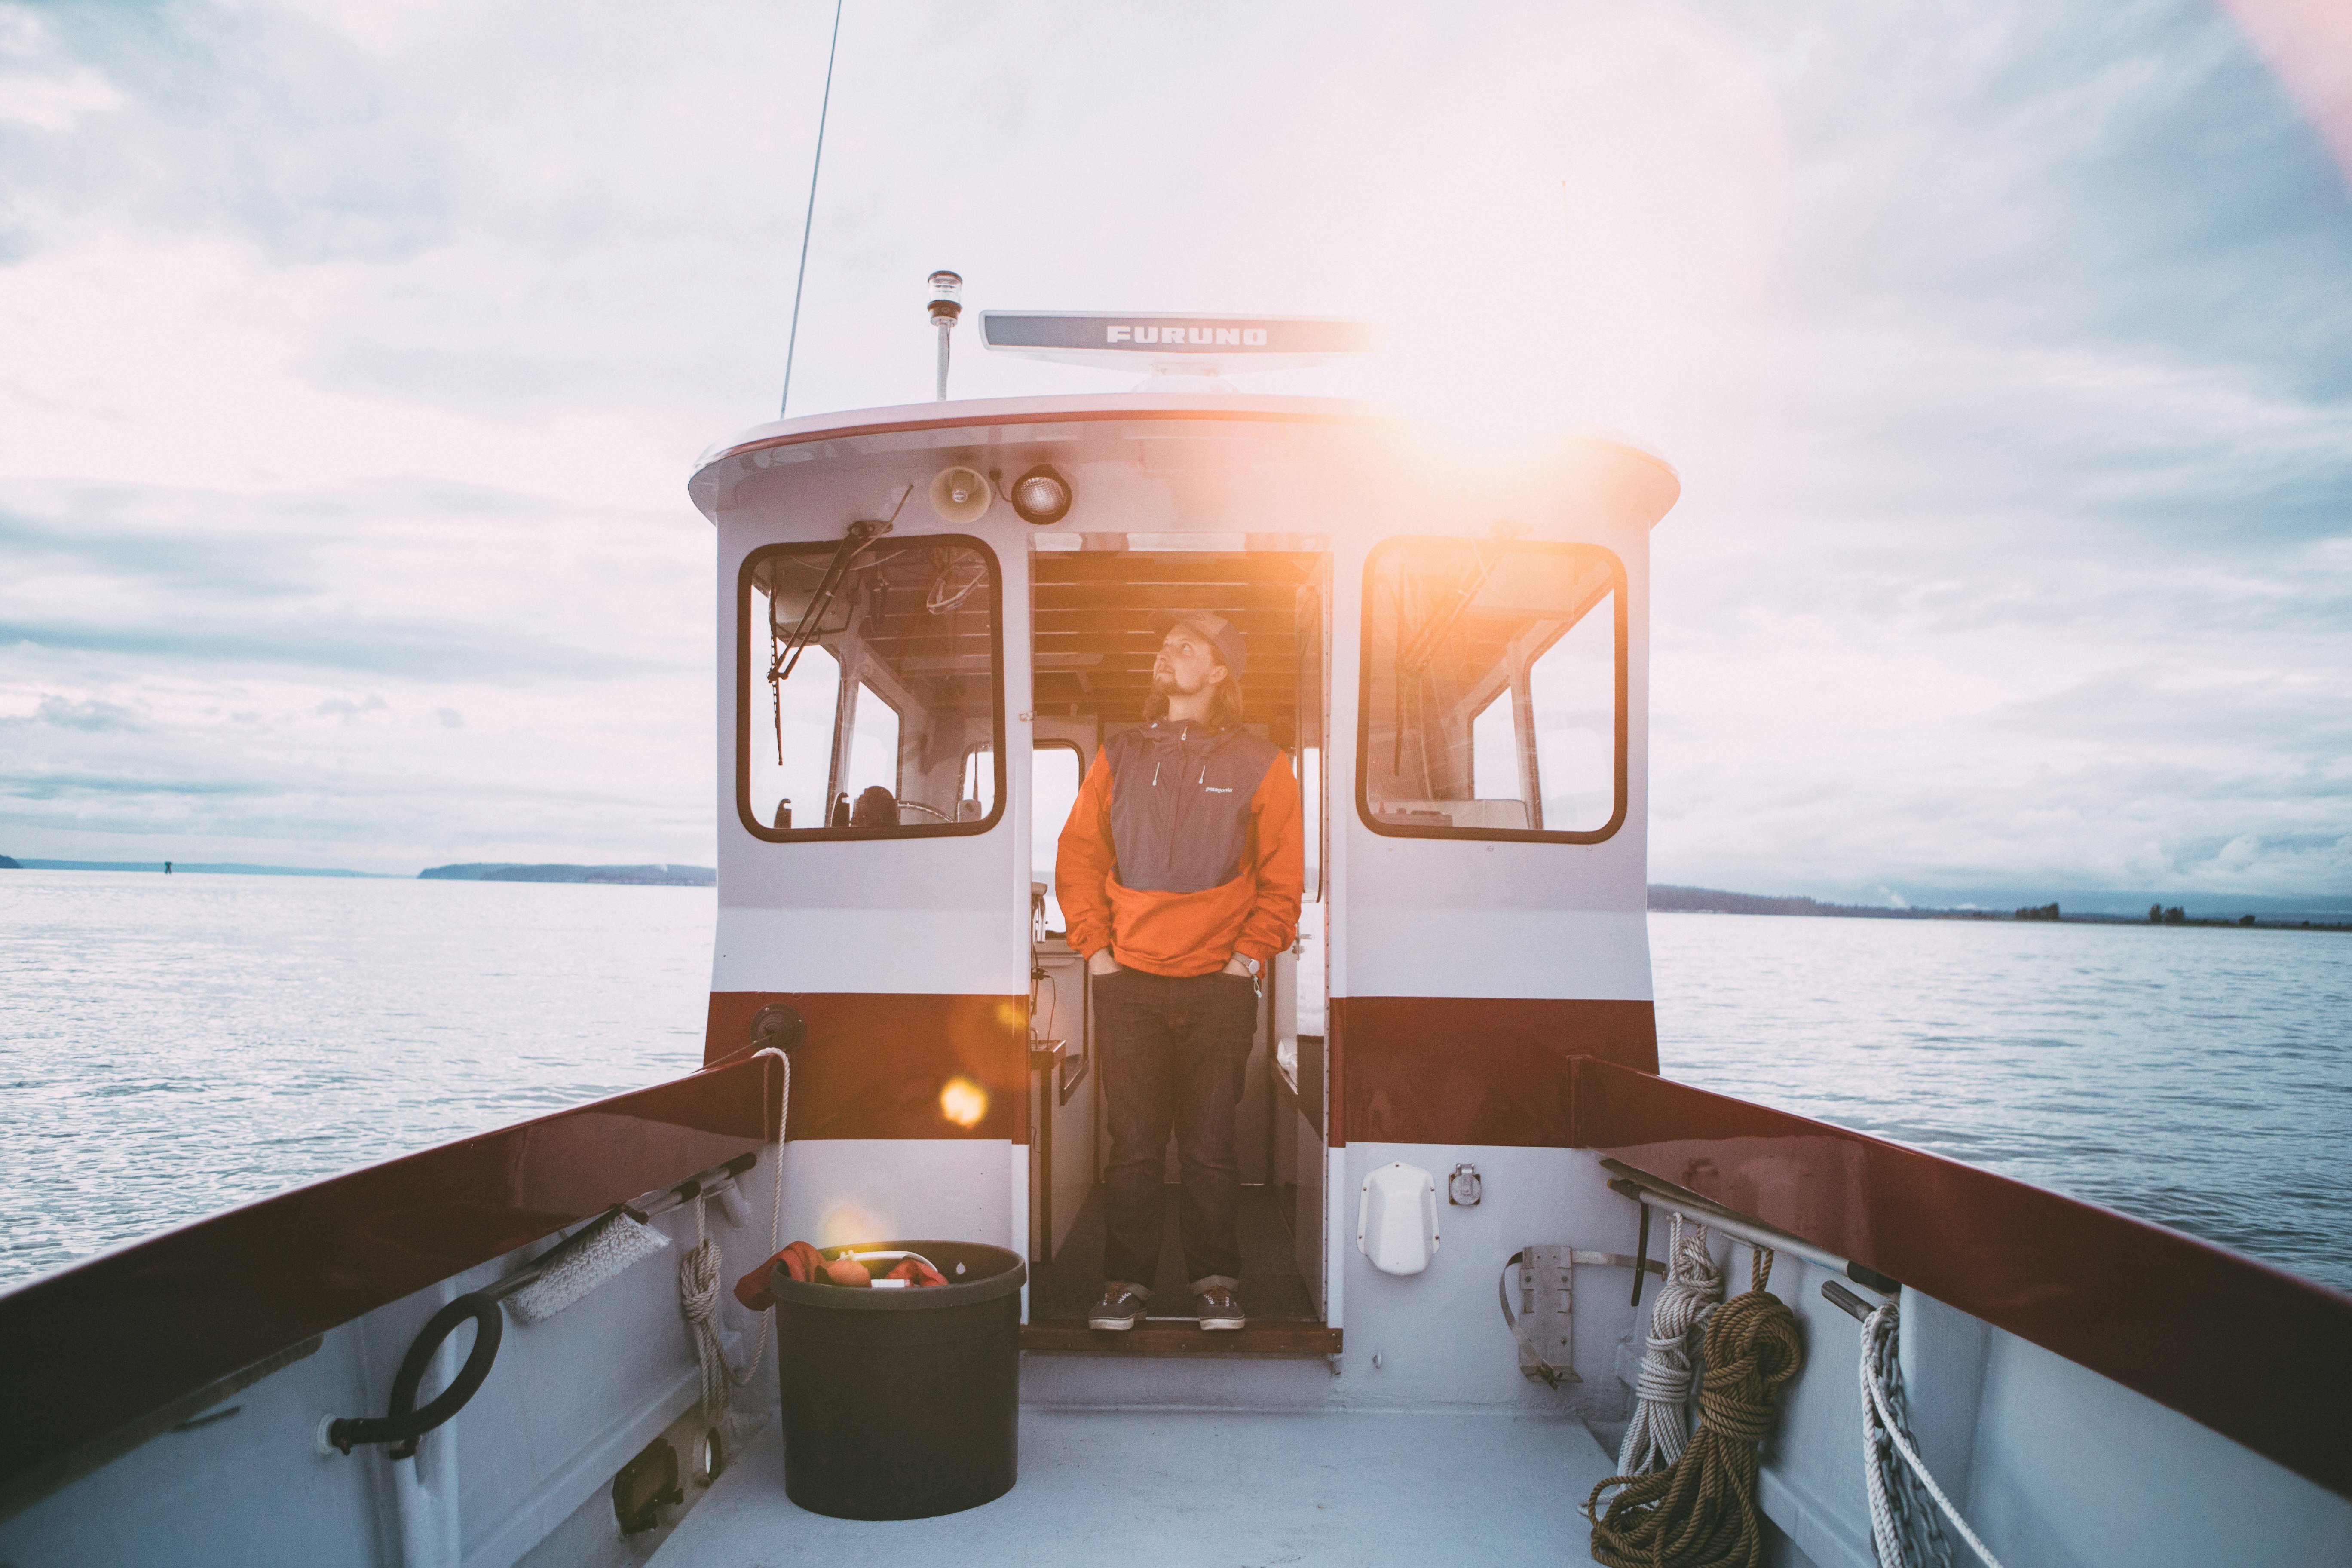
pixel 175 1044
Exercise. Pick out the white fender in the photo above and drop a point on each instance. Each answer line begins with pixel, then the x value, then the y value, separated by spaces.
pixel 1396 1219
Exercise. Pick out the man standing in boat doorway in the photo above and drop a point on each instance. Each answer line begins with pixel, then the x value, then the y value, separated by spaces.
pixel 1180 872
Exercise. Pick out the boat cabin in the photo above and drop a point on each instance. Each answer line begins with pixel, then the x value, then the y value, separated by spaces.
pixel 920 667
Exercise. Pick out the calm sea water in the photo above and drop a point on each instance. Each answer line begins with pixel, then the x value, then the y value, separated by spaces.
pixel 172 1046
pixel 2200 1077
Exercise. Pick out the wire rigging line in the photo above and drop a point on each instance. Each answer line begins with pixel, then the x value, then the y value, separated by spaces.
pixel 1899 1533
pixel 816 166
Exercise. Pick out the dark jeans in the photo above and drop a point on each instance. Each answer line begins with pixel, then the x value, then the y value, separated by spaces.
pixel 1173 1051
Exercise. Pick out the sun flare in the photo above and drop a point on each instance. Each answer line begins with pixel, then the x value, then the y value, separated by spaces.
pixel 963 1102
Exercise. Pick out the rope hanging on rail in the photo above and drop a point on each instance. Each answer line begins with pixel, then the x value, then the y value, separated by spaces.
pixel 1659 1431
pixel 699 1271
pixel 1903 1530
pixel 1702 1512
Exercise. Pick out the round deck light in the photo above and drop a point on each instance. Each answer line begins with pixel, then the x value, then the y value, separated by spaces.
pixel 1042 495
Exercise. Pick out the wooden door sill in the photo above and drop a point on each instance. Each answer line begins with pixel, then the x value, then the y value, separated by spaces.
pixel 1181 1338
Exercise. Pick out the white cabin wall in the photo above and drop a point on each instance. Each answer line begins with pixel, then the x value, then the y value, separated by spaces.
pixel 943 915
pixel 1440 1334
pixel 840 1189
pixel 1430 917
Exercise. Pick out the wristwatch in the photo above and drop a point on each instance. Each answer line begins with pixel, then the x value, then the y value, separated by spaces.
pixel 1252 965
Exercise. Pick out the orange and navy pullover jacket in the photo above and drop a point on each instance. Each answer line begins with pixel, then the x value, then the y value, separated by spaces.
pixel 1183 849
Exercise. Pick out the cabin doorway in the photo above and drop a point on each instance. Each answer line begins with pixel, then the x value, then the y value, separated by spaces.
pixel 1092 655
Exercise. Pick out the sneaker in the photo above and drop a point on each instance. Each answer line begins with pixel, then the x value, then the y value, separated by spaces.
pixel 1221 1309
pixel 1118 1307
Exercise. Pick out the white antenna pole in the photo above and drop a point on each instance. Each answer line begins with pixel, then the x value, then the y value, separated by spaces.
pixel 816 166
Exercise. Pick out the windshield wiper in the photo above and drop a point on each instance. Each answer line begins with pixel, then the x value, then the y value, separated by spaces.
pixel 784 657
pixel 788 653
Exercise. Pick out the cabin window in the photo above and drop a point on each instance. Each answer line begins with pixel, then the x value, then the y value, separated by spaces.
pixel 872 688
pixel 1494 690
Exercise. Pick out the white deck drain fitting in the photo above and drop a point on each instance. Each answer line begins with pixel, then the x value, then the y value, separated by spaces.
pixel 1396 1219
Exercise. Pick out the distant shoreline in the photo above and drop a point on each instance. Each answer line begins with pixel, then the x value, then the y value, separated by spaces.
pixel 655 876
pixel 1670 899
pixel 1665 898
pixel 663 876
pixel 191 868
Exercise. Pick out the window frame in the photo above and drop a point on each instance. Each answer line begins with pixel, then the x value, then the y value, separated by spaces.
pixel 1373 564
pixel 743 685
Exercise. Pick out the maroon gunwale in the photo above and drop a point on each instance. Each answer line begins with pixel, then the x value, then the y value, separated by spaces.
pixel 105 1344
pixel 2257 1355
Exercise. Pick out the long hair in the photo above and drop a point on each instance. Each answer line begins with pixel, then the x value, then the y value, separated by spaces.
pixel 1224 704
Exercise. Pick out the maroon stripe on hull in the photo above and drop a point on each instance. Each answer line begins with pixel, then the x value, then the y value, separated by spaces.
pixel 874 1064
pixel 1474 1069
pixel 100 1345
pixel 2255 1353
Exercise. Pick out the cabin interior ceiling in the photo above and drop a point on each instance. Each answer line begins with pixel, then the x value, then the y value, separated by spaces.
pixel 1094 643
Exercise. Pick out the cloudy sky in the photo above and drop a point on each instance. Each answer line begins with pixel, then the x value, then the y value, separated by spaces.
pixel 352 357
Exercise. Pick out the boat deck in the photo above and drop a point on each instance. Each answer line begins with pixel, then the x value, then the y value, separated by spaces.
pixel 1210 1487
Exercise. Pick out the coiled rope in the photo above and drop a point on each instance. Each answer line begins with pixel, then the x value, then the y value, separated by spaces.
pixel 1904 1533
pixel 700 1270
pixel 1660 1427
pixel 1701 1512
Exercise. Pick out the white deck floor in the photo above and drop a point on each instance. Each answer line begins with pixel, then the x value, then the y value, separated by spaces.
pixel 1209 1490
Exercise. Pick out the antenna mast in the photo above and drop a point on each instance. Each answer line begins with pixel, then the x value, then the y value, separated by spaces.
pixel 783 404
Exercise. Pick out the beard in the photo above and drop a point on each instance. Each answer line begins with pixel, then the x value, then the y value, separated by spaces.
pixel 1164 684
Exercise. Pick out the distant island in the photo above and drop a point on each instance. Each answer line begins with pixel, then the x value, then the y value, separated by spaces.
pixel 8 865
pixel 1672 899
pixel 642 876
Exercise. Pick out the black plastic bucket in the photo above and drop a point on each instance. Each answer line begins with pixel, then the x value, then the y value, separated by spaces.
pixel 902 1404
